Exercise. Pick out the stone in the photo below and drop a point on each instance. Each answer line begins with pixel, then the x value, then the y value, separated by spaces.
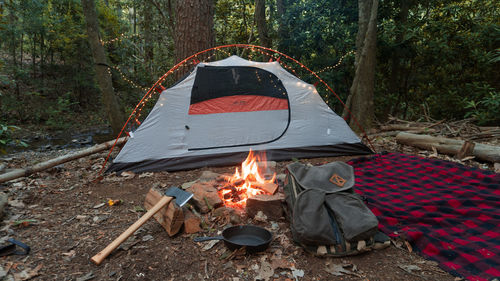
pixel 209 176
pixel 269 205
pixel 267 168
pixel 191 222
pixel 205 196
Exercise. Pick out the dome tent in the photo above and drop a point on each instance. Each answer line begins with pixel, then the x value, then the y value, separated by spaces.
pixel 224 108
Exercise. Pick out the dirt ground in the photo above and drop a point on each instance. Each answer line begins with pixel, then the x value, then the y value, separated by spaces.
pixel 60 214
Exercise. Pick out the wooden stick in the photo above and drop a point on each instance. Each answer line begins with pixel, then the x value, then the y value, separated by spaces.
pixel 99 257
pixel 59 160
pixel 466 150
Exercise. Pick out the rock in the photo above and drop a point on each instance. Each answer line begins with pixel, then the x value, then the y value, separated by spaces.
pixel 205 196
pixel 209 176
pixel 269 205
pixel 267 168
pixel 229 214
pixel 187 185
pixel 497 167
pixel 191 222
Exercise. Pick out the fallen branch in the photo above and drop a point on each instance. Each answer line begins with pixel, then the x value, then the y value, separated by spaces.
pixel 398 127
pixel 59 160
pixel 449 146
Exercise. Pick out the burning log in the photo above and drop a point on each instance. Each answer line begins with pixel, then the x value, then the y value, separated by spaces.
pixel 269 205
pixel 250 182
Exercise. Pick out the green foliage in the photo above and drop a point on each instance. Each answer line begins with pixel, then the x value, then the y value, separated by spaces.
pixel 442 58
pixel 7 139
pixel 444 48
pixel 58 114
pixel 487 110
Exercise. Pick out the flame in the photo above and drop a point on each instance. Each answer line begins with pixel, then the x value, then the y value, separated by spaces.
pixel 245 184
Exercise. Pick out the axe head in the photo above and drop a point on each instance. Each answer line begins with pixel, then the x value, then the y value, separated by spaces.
pixel 181 196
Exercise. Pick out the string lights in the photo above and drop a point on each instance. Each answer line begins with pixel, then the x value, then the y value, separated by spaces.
pixel 121 37
pixel 338 63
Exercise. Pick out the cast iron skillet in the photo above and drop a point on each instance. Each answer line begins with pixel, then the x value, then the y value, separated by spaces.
pixel 255 238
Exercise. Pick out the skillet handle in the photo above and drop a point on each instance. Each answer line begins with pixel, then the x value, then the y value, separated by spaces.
pixel 201 239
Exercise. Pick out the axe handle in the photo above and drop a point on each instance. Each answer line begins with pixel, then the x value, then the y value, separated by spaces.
pixel 99 257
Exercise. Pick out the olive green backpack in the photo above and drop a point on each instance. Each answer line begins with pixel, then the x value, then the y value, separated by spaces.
pixel 327 217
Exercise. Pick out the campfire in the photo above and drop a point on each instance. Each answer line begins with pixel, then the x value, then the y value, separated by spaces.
pixel 248 182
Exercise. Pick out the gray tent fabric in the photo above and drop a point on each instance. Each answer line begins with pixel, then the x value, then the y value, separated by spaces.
pixel 215 116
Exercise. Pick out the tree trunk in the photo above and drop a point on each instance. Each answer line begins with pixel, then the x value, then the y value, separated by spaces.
pixel 396 75
pixel 360 100
pixel 148 37
pixel 193 28
pixel 260 19
pixel 115 114
pixel 282 29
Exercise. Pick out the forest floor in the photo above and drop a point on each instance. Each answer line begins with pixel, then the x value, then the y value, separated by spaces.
pixel 63 216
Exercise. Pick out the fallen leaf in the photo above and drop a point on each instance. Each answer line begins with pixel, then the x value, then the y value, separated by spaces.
pixel 70 254
pixel 296 273
pixel 127 174
pixel 86 277
pixel 27 273
pixel 410 268
pixel 145 175
pixel 265 271
pixel 98 206
pixel 341 269
pixel 210 244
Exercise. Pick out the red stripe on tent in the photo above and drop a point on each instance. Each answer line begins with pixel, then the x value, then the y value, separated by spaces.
pixel 239 103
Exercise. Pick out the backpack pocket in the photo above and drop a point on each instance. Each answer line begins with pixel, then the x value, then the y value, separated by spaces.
pixel 311 223
pixel 356 221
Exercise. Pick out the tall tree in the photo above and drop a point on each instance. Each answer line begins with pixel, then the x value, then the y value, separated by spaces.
pixel 360 101
pixel 260 19
pixel 194 27
pixel 113 110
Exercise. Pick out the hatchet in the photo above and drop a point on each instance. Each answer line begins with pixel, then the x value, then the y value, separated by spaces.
pixel 181 198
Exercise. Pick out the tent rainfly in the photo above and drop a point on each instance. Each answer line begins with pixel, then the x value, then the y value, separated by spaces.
pixel 223 109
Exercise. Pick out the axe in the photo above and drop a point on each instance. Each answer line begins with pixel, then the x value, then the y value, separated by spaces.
pixel 181 198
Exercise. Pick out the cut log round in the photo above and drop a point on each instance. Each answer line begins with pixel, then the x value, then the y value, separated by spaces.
pixel 449 146
pixel 170 217
pixel 59 160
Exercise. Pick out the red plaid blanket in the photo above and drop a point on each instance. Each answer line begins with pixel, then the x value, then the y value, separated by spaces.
pixel 450 213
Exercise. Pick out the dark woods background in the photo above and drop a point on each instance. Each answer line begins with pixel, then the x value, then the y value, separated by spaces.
pixel 438 59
